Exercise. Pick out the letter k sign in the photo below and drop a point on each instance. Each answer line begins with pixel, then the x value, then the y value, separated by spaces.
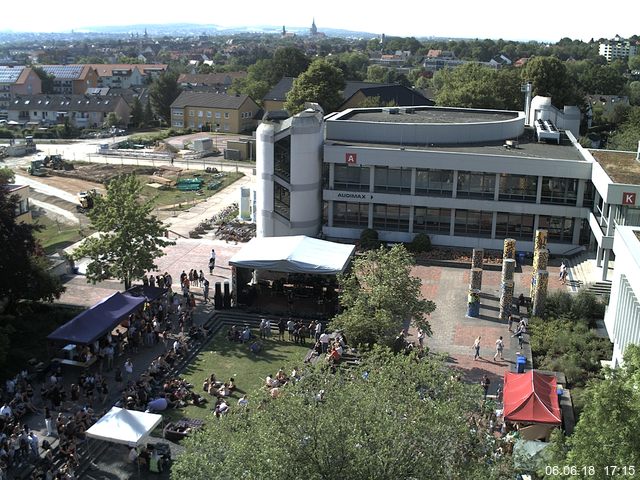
pixel 628 198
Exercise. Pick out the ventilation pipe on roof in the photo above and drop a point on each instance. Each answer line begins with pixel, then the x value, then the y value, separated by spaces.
pixel 527 89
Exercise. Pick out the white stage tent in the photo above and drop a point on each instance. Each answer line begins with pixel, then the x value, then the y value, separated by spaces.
pixel 128 427
pixel 294 254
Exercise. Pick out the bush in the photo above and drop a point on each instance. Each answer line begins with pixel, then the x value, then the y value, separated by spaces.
pixel 369 239
pixel 5 133
pixel 586 306
pixel 420 243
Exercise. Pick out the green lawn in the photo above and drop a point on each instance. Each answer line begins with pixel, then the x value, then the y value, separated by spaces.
pixel 57 235
pixel 228 359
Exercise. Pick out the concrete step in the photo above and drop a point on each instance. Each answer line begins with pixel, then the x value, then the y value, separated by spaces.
pixel 602 288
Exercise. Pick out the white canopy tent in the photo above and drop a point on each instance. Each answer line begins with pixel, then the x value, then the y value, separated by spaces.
pixel 294 254
pixel 128 427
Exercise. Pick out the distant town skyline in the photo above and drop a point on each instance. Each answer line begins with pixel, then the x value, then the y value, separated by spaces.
pixel 576 19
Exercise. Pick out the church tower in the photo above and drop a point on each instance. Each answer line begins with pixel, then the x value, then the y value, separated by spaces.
pixel 313 31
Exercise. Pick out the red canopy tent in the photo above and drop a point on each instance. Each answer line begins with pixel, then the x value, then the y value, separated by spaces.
pixel 531 397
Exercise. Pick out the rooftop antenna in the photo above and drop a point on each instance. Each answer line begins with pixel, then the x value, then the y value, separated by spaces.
pixel 526 89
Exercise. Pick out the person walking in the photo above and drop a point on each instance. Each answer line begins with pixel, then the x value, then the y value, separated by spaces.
pixel 212 261
pixel 476 347
pixel 206 290
pixel 128 369
pixel 499 349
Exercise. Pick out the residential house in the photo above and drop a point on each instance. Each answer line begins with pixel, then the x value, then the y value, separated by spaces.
pixel 214 112
pixel 22 211
pixel 71 79
pixel 353 94
pixel 219 82
pixel 500 61
pixel 16 81
pixel 124 75
pixel 82 111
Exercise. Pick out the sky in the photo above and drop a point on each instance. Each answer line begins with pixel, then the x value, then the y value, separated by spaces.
pixel 507 19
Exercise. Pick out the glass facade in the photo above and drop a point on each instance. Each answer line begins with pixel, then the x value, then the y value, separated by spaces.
pixel 476 185
pixel 473 223
pixel 392 180
pixel 346 177
pixel 393 218
pixel 282 158
pixel 518 188
pixel 353 215
pixel 281 200
pixel 514 225
pixel 432 220
pixel 438 183
pixel 560 229
pixel 559 191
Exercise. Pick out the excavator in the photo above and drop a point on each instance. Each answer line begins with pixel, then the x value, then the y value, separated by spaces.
pixel 87 200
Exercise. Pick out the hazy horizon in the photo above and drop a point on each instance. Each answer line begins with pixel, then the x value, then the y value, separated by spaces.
pixel 496 19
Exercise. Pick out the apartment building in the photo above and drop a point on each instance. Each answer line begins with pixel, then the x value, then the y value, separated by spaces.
pixel 16 81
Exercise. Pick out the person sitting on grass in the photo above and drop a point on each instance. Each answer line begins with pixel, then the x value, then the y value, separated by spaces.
pixel 256 347
pixel 224 391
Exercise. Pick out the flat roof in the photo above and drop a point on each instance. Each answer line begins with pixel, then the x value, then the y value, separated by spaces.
pixel 427 115
pixel 622 167
pixel 528 147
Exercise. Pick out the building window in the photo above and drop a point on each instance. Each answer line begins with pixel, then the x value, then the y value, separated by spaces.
pixel 392 180
pixel 437 183
pixel 560 229
pixel 21 207
pixel 476 185
pixel 347 177
pixel 218 115
pixel 200 113
pixel 226 114
pixel 431 220
pixel 393 218
pixel 191 113
pixel 514 225
pixel 178 123
pixel 355 215
pixel 282 158
pixel 559 191
pixel 473 223
pixel 281 200
pixel 518 188
pixel 209 115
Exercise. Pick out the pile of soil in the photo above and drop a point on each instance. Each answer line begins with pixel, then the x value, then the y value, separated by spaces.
pixel 103 173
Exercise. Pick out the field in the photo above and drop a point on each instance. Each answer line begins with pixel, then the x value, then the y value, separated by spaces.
pixel 228 359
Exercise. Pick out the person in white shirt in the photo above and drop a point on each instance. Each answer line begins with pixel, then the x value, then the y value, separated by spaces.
pixel 324 341
pixel 242 401
pixel 6 411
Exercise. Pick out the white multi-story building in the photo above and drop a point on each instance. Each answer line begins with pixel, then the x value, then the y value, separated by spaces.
pixel 465 177
pixel 623 314
pixel 617 48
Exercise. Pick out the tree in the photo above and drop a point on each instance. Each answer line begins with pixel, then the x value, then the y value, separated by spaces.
pixel 608 431
pixel 287 62
pixel 380 297
pixel 627 134
pixel 148 114
pixel 24 276
pixel 321 83
pixel 550 78
pixel 634 62
pixel 112 120
pixel 137 113
pixel 473 85
pixel 46 79
pixel 163 91
pixel 130 238
pixel 393 416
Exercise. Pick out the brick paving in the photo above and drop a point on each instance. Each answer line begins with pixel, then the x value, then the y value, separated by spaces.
pixel 454 333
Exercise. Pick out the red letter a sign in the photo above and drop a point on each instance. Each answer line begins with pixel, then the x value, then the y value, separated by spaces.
pixel 351 158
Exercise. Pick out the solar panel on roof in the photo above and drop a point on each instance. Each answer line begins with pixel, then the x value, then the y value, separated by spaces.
pixel 63 71
pixel 10 74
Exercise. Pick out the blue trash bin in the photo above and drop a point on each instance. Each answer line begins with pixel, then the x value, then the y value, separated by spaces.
pixel 521 362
